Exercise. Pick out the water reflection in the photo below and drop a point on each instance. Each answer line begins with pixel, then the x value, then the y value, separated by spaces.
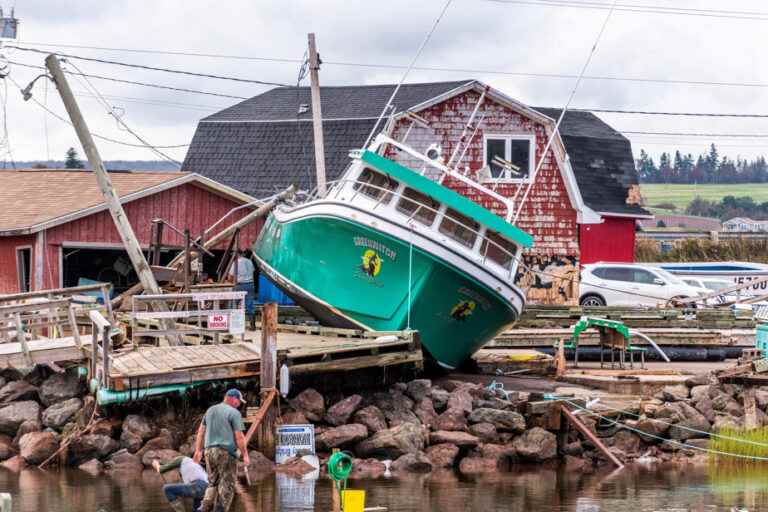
pixel 721 488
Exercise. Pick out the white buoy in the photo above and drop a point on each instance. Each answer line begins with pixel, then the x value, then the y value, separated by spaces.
pixel 285 380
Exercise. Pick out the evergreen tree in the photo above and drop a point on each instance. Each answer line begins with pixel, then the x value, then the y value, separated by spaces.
pixel 646 169
pixel 665 169
pixel 73 160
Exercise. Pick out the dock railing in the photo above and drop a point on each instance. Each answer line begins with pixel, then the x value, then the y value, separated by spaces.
pixel 198 316
pixel 101 348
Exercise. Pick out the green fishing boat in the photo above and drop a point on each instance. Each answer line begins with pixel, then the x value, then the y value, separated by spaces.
pixel 390 248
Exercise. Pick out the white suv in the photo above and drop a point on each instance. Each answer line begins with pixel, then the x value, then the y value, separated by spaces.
pixel 627 284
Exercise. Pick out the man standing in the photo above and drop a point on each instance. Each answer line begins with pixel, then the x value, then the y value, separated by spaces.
pixel 242 273
pixel 221 431
pixel 195 483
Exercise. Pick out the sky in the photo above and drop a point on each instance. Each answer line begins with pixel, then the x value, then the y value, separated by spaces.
pixel 497 42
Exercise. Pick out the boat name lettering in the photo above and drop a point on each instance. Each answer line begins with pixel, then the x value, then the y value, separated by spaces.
pixel 377 246
pixel 484 303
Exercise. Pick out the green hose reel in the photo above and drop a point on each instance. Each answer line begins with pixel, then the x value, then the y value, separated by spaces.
pixel 339 467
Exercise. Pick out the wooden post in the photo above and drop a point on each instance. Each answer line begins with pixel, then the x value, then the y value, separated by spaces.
pixel 124 229
pixel 73 326
pixel 157 240
pixel 268 377
pixel 335 498
pixel 107 346
pixel 317 114
pixel 591 436
pixel 187 268
pixel 750 409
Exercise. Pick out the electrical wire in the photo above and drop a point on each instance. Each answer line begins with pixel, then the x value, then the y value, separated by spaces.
pixel 696 134
pixel 662 113
pixel 152 68
pixel 468 71
pixel 555 132
pixel 652 9
pixel 119 118
pixel 95 135
pixel 133 82
pixel 408 70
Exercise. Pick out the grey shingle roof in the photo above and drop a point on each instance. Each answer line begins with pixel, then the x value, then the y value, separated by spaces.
pixel 601 159
pixel 259 147
pixel 347 102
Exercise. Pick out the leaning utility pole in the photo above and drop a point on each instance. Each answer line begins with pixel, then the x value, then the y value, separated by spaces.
pixel 130 242
pixel 317 114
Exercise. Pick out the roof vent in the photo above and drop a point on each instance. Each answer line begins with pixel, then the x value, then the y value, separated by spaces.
pixel 303 108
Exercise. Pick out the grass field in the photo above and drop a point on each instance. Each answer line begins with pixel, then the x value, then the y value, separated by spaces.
pixel 681 195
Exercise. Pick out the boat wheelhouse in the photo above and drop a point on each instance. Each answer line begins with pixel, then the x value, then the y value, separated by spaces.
pixel 391 248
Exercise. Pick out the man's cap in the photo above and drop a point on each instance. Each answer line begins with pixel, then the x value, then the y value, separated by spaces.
pixel 235 393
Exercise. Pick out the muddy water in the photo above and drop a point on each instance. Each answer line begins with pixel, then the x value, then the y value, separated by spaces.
pixel 635 490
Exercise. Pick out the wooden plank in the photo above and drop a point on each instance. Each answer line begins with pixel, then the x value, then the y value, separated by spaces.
pixel 265 405
pixel 357 363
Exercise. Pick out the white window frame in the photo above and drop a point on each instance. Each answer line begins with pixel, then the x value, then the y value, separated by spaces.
pixel 508 138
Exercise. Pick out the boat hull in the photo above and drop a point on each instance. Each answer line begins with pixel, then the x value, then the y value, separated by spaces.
pixel 351 275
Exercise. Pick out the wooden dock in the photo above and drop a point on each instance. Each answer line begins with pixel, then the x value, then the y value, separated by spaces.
pixel 305 350
pixel 44 351
pixel 532 338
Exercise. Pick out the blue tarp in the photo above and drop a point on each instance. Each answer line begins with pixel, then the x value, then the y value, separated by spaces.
pixel 268 292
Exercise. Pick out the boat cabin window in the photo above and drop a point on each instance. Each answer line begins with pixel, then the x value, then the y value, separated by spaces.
pixel 418 206
pixel 375 185
pixel 460 228
pixel 498 249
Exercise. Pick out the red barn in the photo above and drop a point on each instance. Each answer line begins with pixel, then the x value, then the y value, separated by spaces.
pixel 55 228
pixel 582 206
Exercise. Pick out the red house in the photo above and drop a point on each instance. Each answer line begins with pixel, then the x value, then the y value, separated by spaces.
pixel 582 206
pixel 55 228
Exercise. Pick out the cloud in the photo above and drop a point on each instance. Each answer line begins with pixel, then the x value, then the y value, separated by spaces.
pixel 474 35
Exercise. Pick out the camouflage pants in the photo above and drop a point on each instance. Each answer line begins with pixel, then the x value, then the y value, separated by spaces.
pixel 222 475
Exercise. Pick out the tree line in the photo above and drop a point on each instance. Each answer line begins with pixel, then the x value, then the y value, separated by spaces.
pixel 708 167
pixel 728 208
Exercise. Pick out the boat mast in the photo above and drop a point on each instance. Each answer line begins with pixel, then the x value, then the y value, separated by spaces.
pixel 317 114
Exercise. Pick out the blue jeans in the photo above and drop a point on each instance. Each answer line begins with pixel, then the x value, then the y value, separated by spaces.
pixel 194 490
pixel 250 297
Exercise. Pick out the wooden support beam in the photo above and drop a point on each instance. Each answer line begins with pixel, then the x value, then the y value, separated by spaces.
pixel 268 378
pixel 265 405
pixel 590 436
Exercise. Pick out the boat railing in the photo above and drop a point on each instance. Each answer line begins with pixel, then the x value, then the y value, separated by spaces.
pixel 334 191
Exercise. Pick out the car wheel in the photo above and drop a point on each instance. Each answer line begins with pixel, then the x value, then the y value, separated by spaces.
pixel 592 301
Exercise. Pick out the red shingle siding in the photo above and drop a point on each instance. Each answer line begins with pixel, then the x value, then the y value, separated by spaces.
pixel 548 214
pixel 9 279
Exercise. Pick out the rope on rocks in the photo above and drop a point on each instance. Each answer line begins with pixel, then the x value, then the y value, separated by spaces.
pixel 663 439
pixel 683 427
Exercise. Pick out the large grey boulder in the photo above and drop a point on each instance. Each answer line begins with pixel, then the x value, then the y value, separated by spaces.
pixel 460 439
pixel 18 390
pixel 311 403
pixel 419 389
pixel 16 413
pixel 536 445
pixel 675 393
pixel 36 447
pixel 442 455
pixel 460 399
pixel 59 387
pixel 340 412
pixel 372 418
pixel 508 421
pixel 412 463
pixel 59 414
pixel 451 419
pixel 92 446
pixel 393 442
pixel 139 425
pixel 425 411
pixel 164 456
pixel 341 436
pixel 124 461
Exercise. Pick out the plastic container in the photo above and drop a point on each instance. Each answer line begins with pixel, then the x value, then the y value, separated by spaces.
pixel 761 338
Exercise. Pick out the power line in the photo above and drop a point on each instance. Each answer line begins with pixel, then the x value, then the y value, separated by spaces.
pixel 652 9
pixel 96 135
pixel 133 82
pixel 662 113
pixel 696 134
pixel 472 71
pixel 152 68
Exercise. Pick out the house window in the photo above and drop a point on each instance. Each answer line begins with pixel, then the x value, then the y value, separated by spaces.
pixel 418 206
pixel 517 149
pixel 460 228
pixel 375 185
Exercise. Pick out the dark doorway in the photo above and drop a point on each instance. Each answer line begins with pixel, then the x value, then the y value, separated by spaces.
pixel 24 268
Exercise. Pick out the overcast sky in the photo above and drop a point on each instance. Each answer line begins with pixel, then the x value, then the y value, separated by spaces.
pixel 478 37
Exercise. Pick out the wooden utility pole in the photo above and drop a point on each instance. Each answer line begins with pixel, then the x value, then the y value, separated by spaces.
pixel 268 377
pixel 317 114
pixel 130 242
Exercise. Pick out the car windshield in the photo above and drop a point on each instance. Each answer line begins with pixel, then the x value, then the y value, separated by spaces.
pixel 668 277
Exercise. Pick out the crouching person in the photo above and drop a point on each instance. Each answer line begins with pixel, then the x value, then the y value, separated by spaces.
pixel 195 482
